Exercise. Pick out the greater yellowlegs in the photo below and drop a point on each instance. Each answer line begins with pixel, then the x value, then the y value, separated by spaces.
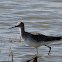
pixel 35 39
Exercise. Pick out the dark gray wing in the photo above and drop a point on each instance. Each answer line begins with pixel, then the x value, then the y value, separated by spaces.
pixel 41 37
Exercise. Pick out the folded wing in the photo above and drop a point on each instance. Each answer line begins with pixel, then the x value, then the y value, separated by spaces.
pixel 41 37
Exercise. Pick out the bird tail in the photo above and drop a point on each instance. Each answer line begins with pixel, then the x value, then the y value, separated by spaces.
pixel 57 38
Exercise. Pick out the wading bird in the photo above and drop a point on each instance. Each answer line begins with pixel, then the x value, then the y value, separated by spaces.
pixel 36 39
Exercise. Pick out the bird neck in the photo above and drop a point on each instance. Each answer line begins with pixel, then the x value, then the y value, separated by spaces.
pixel 22 30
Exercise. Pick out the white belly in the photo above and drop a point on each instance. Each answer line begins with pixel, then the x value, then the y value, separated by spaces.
pixel 32 43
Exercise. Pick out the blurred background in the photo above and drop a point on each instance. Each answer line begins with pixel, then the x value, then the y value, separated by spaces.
pixel 41 16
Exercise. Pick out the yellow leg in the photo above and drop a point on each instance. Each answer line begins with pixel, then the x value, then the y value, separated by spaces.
pixel 49 49
pixel 19 40
pixel 36 51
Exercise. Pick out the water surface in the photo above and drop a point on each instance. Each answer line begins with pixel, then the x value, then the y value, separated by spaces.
pixel 41 16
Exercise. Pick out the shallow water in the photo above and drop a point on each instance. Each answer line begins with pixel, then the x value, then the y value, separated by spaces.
pixel 41 16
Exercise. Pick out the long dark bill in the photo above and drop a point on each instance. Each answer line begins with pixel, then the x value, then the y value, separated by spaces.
pixel 13 27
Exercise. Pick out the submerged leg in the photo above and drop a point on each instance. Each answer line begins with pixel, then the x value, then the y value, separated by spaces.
pixel 49 50
pixel 35 57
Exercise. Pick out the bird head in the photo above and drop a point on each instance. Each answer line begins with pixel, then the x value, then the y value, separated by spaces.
pixel 19 24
